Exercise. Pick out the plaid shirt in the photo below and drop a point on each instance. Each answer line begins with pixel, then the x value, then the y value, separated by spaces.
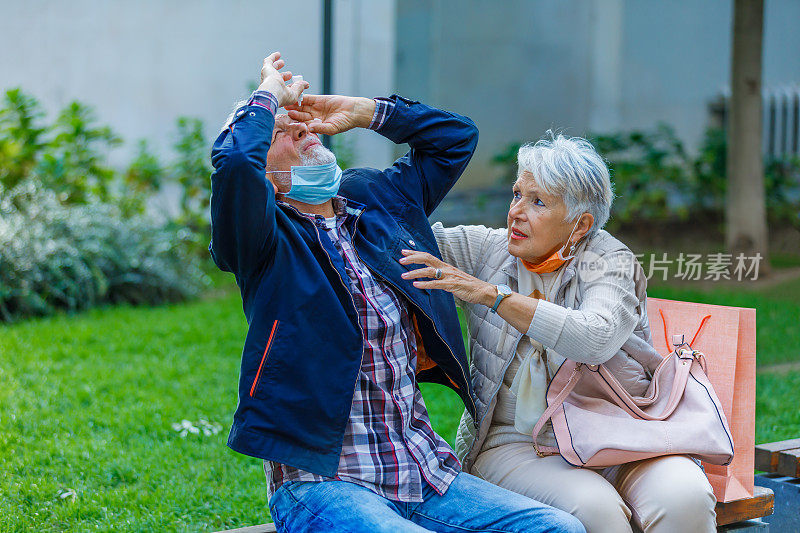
pixel 389 445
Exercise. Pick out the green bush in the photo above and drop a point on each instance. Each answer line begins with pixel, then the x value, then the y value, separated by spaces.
pixel 651 174
pixel 143 179
pixel 507 161
pixel 55 256
pixel 21 137
pixel 69 156
pixel 73 161
pixel 192 171
pixel 74 232
pixel 783 191
pixel 656 180
pixel 781 181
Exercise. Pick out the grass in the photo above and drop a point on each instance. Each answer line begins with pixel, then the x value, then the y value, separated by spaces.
pixel 87 405
pixel 88 401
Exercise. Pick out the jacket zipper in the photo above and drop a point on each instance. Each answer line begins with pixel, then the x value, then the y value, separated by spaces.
pixel 352 301
pixel 466 381
pixel 263 358
pixel 355 232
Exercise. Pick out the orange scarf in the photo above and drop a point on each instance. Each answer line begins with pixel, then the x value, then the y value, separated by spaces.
pixel 554 262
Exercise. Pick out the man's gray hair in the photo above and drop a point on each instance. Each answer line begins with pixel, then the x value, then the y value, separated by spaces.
pixel 571 168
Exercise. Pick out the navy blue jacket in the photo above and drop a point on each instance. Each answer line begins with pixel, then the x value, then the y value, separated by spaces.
pixel 303 349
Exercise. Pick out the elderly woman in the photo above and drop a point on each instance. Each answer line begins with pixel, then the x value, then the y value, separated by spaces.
pixel 554 285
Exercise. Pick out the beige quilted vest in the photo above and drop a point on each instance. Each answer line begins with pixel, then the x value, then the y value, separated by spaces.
pixel 482 252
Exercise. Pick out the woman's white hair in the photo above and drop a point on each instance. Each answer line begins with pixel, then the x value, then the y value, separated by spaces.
pixel 571 168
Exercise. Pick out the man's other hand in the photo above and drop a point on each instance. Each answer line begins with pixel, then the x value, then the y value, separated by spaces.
pixel 275 82
pixel 331 114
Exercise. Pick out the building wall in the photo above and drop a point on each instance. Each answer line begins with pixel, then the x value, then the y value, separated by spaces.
pixel 519 67
pixel 363 58
pixel 142 64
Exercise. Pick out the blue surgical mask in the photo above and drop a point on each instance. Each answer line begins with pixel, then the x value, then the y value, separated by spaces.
pixel 315 184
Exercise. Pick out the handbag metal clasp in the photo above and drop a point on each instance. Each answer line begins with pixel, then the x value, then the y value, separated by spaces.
pixel 538 451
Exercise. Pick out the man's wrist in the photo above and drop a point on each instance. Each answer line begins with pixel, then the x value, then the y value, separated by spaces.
pixel 383 108
pixel 264 98
pixel 363 110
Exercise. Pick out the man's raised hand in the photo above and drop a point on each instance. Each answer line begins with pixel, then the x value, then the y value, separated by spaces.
pixel 331 114
pixel 275 82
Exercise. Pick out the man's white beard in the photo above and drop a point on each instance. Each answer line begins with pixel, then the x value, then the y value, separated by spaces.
pixel 317 155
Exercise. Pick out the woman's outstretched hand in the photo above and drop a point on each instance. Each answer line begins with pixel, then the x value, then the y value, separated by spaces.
pixel 463 286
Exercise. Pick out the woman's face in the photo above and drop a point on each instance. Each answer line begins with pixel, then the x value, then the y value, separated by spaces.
pixel 536 225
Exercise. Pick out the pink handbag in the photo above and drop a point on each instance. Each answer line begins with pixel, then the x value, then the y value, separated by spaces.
pixel 598 424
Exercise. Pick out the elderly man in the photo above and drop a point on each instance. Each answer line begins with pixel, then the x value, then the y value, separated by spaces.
pixel 337 339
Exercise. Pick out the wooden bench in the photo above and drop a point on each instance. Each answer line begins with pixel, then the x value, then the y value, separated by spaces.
pixel 779 457
pixel 760 505
pixel 781 461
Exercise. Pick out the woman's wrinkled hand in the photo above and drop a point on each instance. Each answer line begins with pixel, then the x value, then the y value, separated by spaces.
pixel 463 286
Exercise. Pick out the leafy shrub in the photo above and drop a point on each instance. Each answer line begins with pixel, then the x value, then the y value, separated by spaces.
pixel 656 180
pixel 781 181
pixel 143 179
pixel 507 161
pixel 55 256
pixel 21 137
pixel 651 174
pixel 783 191
pixel 73 162
pixel 192 171
pixel 69 157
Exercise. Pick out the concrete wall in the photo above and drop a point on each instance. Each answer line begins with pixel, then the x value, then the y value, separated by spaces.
pixel 363 58
pixel 142 64
pixel 519 67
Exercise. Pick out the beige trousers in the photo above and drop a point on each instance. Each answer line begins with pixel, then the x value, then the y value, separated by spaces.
pixel 667 494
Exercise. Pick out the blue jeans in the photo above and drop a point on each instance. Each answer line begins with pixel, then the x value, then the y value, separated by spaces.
pixel 469 505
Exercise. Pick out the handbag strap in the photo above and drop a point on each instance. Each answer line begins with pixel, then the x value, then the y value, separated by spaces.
pixel 618 392
pixel 542 451
pixel 623 398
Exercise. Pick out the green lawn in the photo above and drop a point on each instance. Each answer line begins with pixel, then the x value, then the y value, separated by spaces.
pixel 87 405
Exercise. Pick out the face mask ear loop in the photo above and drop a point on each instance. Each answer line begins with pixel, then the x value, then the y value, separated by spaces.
pixel 560 252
